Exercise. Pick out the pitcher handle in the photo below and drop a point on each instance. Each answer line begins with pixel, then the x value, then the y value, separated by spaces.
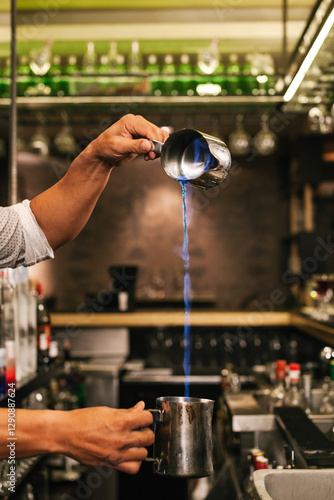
pixel 157 417
pixel 157 148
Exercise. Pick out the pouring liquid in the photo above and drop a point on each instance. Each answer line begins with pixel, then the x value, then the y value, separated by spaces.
pixel 186 296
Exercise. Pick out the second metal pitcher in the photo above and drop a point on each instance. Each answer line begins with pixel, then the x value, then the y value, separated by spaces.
pixel 183 437
pixel 192 156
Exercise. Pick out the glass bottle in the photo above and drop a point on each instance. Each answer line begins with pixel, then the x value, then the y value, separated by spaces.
pixel 24 75
pixel 104 81
pixel 22 291
pixel 294 395
pixel 58 81
pixel 7 323
pixel 135 62
pixel 327 403
pixel 89 59
pixel 43 330
pixel 3 385
pixel 112 58
pixel 233 83
pixel 184 79
pixel 168 81
pixel 218 78
pixel 6 78
pixel 32 338
pixel 278 392
pixel 152 69
pixel 248 79
pixel 71 83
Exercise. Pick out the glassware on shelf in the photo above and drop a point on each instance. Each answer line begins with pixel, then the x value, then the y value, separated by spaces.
pixel 321 291
pixel 327 403
pixel 208 59
pixel 239 141
pixel 40 60
pixel 265 141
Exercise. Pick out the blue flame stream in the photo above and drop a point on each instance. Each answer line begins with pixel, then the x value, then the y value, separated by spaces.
pixel 186 296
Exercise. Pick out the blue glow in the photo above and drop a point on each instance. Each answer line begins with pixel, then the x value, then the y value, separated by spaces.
pixel 186 296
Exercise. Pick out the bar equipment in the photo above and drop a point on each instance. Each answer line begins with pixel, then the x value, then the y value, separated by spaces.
pixel 192 156
pixel 183 442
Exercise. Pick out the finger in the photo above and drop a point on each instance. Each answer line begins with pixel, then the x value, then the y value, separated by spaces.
pixel 138 438
pixel 129 467
pixel 137 146
pixel 140 127
pixel 139 406
pixel 137 419
pixel 129 455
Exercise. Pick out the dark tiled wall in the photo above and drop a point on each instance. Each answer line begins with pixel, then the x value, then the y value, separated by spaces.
pixel 234 234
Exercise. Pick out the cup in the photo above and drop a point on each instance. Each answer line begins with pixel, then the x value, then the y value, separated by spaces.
pixel 192 156
pixel 183 437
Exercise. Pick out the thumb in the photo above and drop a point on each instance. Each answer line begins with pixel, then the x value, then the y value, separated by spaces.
pixel 141 146
pixel 139 406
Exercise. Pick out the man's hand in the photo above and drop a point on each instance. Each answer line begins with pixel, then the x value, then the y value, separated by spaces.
pixel 109 437
pixel 126 139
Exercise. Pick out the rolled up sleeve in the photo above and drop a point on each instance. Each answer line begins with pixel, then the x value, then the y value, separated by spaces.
pixel 22 242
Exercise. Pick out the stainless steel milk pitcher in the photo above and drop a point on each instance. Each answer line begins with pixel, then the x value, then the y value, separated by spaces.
pixel 183 437
pixel 192 156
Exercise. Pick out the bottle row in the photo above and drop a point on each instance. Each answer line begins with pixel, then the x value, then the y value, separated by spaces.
pixel 293 389
pixel 206 73
pixel 26 341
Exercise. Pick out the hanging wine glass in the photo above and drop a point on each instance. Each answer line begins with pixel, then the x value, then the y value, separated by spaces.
pixel 64 141
pixel 239 141
pixel 208 59
pixel 265 141
pixel 39 142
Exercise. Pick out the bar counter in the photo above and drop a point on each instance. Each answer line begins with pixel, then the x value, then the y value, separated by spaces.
pixel 155 318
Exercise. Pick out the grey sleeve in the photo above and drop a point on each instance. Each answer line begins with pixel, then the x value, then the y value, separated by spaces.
pixel 22 242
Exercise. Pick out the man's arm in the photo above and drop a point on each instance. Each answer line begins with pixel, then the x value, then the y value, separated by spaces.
pixel 94 436
pixel 63 210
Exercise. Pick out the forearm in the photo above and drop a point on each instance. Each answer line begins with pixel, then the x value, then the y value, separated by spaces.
pixel 64 209
pixel 37 432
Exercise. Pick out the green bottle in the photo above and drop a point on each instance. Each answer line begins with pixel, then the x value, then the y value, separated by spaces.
pixel 248 78
pixel 218 78
pixel 6 78
pixel 184 79
pixel 153 70
pixel 2 82
pixel 24 75
pixel 71 82
pixel 104 81
pixel 168 82
pixel 233 84
pixel 56 78
pixel 200 79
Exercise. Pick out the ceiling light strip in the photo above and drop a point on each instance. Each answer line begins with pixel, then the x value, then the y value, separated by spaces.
pixel 313 51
